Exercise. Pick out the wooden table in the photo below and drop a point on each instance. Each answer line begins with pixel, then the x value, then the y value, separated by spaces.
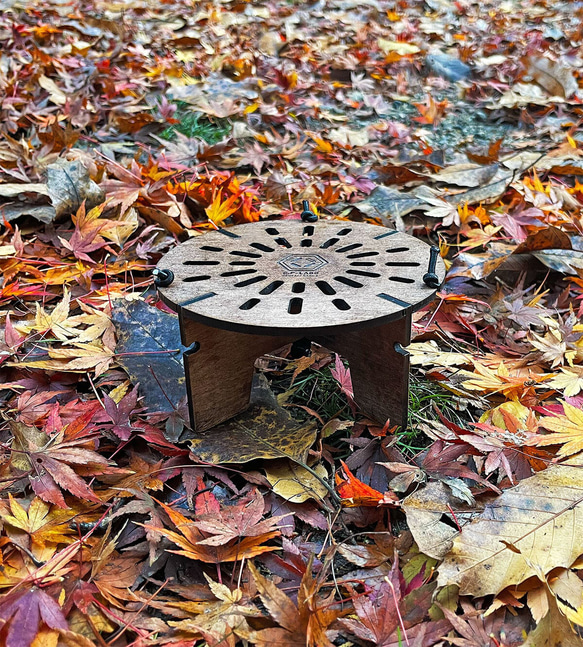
pixel 245 291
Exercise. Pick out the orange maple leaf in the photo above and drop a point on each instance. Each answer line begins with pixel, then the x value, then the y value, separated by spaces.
pixel 355 493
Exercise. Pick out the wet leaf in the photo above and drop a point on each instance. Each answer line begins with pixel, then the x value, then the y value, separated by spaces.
pixel 145 335
pixel 265 430
pixel 69 185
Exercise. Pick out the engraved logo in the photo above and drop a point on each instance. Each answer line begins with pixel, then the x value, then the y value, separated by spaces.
pixel 302 263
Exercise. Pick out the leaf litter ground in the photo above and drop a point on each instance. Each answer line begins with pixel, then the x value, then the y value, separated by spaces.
pixel 127 128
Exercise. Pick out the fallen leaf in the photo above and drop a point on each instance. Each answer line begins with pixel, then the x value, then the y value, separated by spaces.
pixel 69 185
pixel 541 517
pixel 265 430
pixel 433 516
pixel 556 78
pixel 295 483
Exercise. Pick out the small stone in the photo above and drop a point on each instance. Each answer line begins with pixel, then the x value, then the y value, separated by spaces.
pixel 448 67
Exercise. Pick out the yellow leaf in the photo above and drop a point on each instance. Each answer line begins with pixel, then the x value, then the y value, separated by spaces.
pixel 220 210
pixel 568 431
pixel 54 322
pixel 528 530
pixel 403 49
pixel 294 483
pixel 570 382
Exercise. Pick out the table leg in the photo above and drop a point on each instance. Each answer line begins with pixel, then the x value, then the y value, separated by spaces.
pixel 379 367
pixel 219 371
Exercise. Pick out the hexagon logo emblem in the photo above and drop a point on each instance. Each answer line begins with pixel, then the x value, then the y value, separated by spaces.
pixel 302 263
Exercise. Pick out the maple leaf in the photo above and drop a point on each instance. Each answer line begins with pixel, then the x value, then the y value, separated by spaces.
pixel 475 629
pixel 354 492
pixel 192 540
pixel 304 625
pixel 219 210
pixel 79 359
pixel 342 375
pixel 236 521
pixel 219 621
pixel 390 615
pixel 570 382
pixel 33 406
pixel 86 238
pixel 254 156
pixel 513 383
pixel 49 460
pixel 98 324
pixel 567 431
pixel 55 322
pixel 440 462
pixel 23 612
pixel 37 529
pixel 120 413
pixel 561 342
pixel 480 237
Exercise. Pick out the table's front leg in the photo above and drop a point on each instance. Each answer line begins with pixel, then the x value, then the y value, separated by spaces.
pixel 379 367
pixel 219 371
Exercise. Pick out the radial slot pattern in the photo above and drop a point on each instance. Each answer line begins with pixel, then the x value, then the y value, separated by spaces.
pixel 288 274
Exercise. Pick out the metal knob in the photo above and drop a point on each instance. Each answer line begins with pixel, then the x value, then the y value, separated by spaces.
pixel 307 215
pixel 163 278
pixel 430 278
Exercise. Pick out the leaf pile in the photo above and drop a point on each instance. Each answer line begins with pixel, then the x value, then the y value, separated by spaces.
pixel 128 127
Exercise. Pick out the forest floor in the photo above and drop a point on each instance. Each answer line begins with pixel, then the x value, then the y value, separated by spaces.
pixel 129 126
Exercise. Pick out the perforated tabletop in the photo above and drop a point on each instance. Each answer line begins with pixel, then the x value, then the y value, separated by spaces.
pixel 287 276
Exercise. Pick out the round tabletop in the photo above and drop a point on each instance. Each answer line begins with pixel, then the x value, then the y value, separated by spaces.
pixel 287 276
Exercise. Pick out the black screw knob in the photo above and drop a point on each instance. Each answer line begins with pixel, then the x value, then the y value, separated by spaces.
pixel 307 215
pixel 430 278
pixel 163 278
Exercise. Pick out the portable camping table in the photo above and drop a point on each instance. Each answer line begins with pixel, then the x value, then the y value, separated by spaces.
pixel 245 291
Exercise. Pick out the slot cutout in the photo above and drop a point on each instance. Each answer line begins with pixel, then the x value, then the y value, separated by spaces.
pixel 295 306
pixel 272 287
pixel 239 272
pixel 402 264
pixel 329 243
pixel 346 281
pixel 401 279
pixel 201 262
pixel 363 273
pixel 262 247
pixel 247 282
pixel 325 287
pixel 348 248
pixel 194 279
pixel 341 304
pixel 245 254
pixel 362 255
pixel 249 304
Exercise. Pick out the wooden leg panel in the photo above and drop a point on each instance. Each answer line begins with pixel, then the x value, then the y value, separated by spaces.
pixel 219 373
pixel 379 367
